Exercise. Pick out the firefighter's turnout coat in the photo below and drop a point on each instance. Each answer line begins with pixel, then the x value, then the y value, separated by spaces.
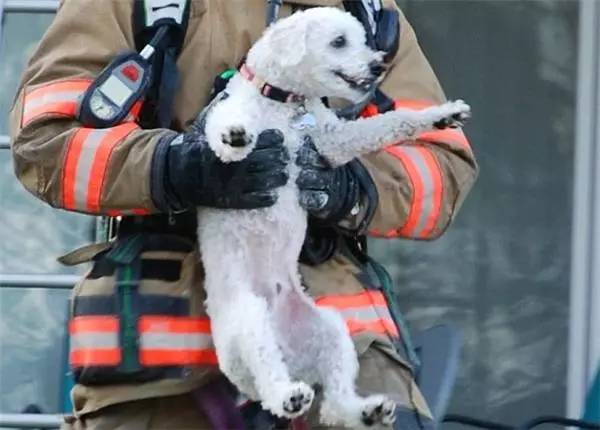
pixel 421 184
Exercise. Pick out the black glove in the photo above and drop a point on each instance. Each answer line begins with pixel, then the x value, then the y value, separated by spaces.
pixel 187 173
pixel 328 194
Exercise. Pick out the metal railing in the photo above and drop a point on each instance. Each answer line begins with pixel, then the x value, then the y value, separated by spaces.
pixel 34 421
pixel 38 281
pixel 30 421
pixel 30 5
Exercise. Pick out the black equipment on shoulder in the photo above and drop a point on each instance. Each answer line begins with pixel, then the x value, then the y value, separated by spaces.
pixel 149 17
pixel 382 26
pixel 149 75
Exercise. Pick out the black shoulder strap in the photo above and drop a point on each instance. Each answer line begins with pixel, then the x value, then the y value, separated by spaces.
pixel 383 33
pixel 148 17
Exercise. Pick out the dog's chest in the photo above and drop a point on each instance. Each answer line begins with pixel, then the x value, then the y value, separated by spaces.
pixel 285 118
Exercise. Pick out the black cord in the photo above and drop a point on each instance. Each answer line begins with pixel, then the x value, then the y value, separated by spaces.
pixel 158 36
pixel 490 425
pixel 560 421
pixel 453 418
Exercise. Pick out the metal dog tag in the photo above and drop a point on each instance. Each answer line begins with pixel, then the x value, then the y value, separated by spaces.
pixel 304 121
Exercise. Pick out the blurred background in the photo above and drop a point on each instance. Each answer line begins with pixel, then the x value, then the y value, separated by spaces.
pixel 518 270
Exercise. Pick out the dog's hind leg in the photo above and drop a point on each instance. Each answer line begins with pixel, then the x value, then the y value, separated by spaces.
pixel 262 356
pixel 339 368
pixel 318 347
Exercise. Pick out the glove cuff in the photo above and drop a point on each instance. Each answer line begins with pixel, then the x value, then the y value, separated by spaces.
pixel 161 191
pixel 358 216
pixel 350 193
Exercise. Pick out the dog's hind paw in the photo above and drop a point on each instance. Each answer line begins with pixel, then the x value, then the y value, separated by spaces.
pixel 297 400
pixel 378 410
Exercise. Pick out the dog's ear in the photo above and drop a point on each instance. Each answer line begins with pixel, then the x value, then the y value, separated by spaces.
pixel 290 36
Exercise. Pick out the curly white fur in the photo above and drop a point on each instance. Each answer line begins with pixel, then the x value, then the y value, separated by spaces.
pixel 272 341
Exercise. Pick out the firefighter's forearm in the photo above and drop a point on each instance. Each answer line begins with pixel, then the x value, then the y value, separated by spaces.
pixel 94 171
pixel 421 186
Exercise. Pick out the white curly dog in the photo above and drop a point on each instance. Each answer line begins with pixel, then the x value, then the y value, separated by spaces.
pixel 271 340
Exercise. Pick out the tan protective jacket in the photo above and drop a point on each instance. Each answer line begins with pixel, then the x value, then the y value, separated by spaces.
pixel 421 184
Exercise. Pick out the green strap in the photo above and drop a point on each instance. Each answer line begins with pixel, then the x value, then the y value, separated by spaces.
pixel 126 250
pixel 128 278
pixel 126 255
pixel 387 289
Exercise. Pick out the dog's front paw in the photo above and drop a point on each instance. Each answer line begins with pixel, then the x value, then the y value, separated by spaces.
pixel 233 143
pixel 236 137
pixel 378 410
pixel 452 114
pixel 297 400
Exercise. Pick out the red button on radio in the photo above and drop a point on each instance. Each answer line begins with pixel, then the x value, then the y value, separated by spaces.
pixel 131 73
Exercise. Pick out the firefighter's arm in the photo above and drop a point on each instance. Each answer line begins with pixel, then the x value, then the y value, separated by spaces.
pixel 97 171
pixel 421 184
pixel 121 169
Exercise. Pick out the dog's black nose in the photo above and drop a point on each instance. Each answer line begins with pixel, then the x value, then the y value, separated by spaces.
pixel 376 68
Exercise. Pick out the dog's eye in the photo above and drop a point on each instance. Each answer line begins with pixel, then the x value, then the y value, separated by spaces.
pixel 339 42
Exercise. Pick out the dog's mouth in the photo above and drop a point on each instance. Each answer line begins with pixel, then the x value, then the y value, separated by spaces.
pixel 361 84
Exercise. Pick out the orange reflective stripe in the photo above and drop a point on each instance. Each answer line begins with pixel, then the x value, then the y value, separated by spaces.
pixel 363 312
pixel 112 137
pixel 366 298
pixel 78 85
pixel 182 357
pixel 95 357
pixel 94 341
pixel 412 104
pixel 167 341
pixel 416 186
pixel 447 135
pixel 101 323
pixel 84 171
pixel 74 148
pixel 184 341
pixel 425 176
pixel 165 324
pixel 380 326
pixel 59 98
pixel 432 217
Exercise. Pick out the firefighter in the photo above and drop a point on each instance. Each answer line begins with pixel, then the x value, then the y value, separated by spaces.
pixel 141 350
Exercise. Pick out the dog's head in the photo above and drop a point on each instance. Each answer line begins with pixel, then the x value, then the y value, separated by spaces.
pixel 320 52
